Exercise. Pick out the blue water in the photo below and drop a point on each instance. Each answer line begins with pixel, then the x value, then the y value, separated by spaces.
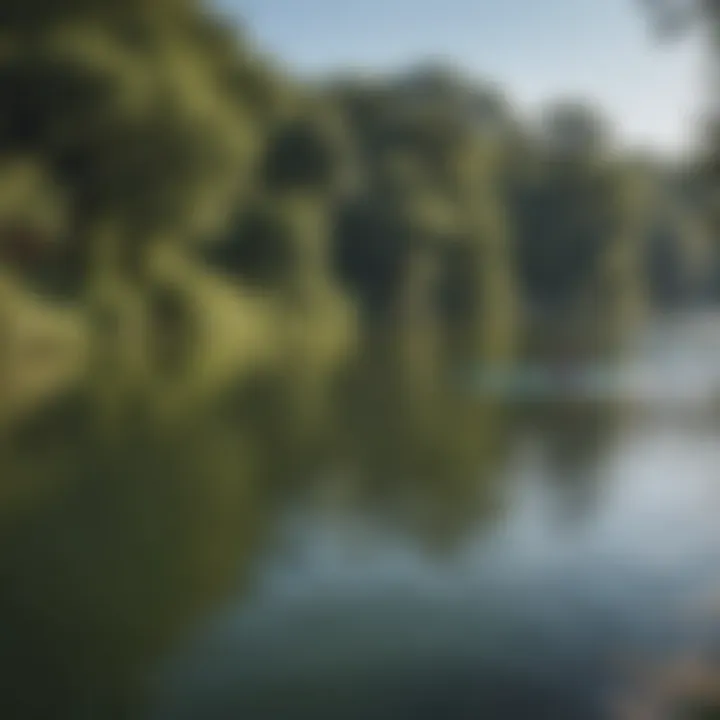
pixel 603 556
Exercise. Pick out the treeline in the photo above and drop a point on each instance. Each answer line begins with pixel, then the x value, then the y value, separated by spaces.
pixel 211 216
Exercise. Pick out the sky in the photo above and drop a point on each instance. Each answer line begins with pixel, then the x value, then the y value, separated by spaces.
pixel 536 50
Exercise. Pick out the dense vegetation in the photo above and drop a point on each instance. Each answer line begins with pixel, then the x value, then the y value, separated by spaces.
pixel 186 228
pixel 213 219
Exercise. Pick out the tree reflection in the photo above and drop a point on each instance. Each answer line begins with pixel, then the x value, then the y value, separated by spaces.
pixel 574 436
pixel 112 556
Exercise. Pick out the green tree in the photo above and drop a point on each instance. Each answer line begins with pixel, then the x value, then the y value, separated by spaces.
pixel 423 241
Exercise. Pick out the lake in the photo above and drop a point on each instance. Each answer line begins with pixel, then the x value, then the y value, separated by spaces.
pixel 514 557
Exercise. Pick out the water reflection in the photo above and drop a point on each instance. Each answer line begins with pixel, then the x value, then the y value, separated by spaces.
pixel 400 549
pixel 573 438
pixel 108 561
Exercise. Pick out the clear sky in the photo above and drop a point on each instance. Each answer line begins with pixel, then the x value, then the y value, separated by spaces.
pixel 536 49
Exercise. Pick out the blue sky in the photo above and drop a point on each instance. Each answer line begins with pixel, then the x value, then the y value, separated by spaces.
pixel 536 49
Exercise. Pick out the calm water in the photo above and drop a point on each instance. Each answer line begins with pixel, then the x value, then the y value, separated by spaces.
pixel 427 561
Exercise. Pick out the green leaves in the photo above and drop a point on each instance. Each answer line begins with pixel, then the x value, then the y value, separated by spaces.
pixel 131 106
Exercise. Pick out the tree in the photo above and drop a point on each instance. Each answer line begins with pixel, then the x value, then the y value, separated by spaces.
pixel 424 245
pixel 131 108
pixel 573 128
